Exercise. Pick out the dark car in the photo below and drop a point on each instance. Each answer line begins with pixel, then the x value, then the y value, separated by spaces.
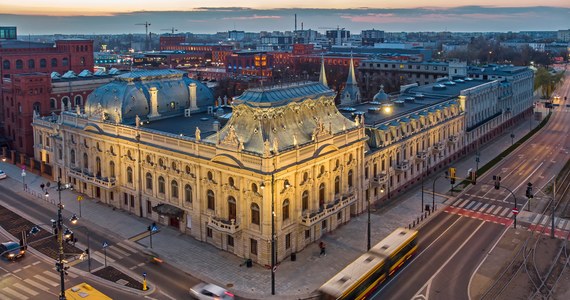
pixel 11 250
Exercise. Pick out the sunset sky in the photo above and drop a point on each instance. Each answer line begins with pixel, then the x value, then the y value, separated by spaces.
pixel 120 16
pixel 88 7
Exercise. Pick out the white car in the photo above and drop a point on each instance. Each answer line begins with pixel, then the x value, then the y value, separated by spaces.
pixel 208 291
pixel 2 174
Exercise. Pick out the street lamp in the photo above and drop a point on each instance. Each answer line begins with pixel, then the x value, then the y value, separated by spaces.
pixel 59 264
pixel 262 186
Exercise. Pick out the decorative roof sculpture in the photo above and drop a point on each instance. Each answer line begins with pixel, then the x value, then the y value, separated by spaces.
pixel 351 93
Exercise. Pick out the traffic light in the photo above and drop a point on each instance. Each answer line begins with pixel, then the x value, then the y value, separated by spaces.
pixel 497 180
pixel 452 175
pixel 529 191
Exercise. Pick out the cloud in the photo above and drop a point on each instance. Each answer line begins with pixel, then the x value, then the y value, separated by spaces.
pixel 254 17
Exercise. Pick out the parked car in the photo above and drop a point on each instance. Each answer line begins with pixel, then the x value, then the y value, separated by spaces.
pixel 11 250
pixel 208 291
pixel 3 174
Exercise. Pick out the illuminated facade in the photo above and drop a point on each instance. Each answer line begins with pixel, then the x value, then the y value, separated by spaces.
pixel 154 144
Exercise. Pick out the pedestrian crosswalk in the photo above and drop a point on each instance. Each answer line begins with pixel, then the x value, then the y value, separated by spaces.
pixel 498 213
pixel 12 287
pixel 114 252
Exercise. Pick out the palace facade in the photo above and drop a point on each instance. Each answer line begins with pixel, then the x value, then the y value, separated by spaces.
pixel 283 158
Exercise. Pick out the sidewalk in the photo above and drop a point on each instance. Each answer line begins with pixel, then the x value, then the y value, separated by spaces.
pixel 298 279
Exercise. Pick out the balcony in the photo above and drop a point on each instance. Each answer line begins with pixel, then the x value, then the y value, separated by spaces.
pixel 438 147
pixel 403 166
pixel 226 226
pixel 452 139
pixel 421 156
pixel 104 182
pixel 380 179
pixel 329 209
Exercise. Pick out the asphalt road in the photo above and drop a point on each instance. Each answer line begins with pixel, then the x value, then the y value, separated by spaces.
pixel 171 283
pixel 454 243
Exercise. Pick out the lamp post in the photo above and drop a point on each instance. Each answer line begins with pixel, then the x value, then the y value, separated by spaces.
pixel 273 269
pixel 59 264
pixel 24 177
pixel 88 241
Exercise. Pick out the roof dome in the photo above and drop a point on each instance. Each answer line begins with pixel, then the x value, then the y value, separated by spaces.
pixel 381 95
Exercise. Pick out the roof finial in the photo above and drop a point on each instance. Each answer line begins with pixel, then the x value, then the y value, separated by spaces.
pixel 323 74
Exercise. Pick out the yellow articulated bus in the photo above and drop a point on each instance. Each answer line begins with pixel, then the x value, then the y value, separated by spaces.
pixel 361 278
pixel 84 291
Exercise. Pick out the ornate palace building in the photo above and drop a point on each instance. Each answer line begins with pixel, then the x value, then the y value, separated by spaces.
pixel 283 158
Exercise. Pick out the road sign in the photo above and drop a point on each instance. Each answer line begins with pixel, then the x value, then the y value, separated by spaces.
pixel 274 269
pixel 154 228
pixel 144 274
pixel 105 245
pixel 79 198
pixel 515 211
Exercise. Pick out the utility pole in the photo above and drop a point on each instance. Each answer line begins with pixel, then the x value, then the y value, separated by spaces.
pixel 553 201
pixel 146 25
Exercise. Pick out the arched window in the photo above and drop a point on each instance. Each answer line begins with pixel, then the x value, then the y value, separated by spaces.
pixel 54 62
pixel 231 208
pixel 98 166
pixel 231 182
pixel 78 99
pixel 322 195
pixel 148 159
pixel 72 156
pixel 6 64
pixel 19 64
pixel 210 176
pixel 52 103
pixel 161 187
pixel 161 162
pixel 43 63
pixel 337 185
pixel 254 214
pixel 31 64
pixel 112 169
pixel 174 189
pixel 37 107
pixel 148 181
pixel 305 201
pixel 254 187
pixel 85 161
pixel 285 210
pixel 65 62
pixel 188 170
pixel 350 178
pixel 129 175
pixel 322 172
pixel 188 193
pixel 174 166
pixel 64 102
pixel 211 200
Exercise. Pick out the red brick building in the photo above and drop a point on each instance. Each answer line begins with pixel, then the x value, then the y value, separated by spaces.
pixel 26 84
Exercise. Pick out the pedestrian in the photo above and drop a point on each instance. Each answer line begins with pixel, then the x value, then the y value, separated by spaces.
pixel 323 249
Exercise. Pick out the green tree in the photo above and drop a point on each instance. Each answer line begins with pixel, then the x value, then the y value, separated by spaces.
pixel 547 81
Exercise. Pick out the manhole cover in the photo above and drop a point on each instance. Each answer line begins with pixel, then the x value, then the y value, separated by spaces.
pixel 229 285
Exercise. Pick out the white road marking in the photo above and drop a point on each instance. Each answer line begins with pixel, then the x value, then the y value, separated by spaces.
pixel 14 293
pixel 36 284
pixel 41 278
pixel 451 257
pixel 52 275
pixel 125 246
pixel 490 209
pixel 25 289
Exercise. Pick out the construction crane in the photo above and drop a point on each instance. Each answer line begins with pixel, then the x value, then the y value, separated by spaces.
pixel 146 25
pixel 171 29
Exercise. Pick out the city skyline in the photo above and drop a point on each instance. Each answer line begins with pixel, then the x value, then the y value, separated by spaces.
pixel 199 20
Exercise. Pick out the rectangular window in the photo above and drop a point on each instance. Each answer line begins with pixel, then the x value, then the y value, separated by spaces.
pixel 253 246
pixel 339 216
pixel 288 241
pixel 324 224
pixel 148 207
pixel 230 241
pixel 125 199
pixel 366 173
pixel 111 196
pixel 209 232
pixel 132 201
pixel 307 234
